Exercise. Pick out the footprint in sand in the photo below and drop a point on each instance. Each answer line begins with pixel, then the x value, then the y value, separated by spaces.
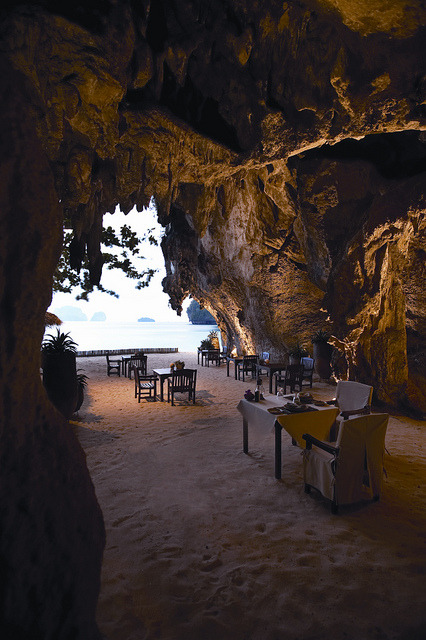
pixel 210 563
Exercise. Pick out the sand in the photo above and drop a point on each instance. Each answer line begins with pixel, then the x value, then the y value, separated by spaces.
pixel 204 543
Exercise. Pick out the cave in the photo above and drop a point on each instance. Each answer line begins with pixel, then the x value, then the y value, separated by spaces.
pixel 284 147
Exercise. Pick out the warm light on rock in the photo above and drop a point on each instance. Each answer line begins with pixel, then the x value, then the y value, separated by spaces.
pixel 284 146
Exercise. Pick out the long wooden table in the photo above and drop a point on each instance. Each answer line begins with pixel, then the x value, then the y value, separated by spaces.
pixel 317 422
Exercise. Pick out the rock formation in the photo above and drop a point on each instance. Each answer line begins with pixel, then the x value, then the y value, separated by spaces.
pixel 284 146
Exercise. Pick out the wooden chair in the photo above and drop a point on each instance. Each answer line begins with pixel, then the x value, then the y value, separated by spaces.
pixel 137 361
pixel 223 354
pixel 292 377
pixel 213 355
pixel 308 370
pixel 262 359
pixel 113 365
pixel 182 381
pixel 247 365
pixel 351 469
pixel 145 385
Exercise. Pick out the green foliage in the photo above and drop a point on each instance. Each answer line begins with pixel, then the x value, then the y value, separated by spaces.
pixel 82 378
pixel 320 336
pixel 197 315
pixel 298 351
pixel 59 343
pixel 206 344
pixel 66 279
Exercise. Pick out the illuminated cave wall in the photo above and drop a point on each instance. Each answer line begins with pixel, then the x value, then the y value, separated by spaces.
pixel 283 144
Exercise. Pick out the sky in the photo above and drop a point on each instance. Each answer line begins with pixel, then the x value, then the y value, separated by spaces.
pixel 132 303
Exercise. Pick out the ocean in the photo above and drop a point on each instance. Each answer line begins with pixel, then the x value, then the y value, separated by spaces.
pixel 135 335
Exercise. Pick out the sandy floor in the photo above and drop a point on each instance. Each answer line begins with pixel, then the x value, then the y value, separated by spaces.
pixel 204 544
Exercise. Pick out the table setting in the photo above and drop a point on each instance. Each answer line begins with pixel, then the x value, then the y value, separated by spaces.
pixel 296 414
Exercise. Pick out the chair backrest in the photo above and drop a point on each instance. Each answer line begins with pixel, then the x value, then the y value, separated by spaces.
pixel 360 439
pixel 183 379
pixel 353 395
pixel 293 373
pixel 308 363
pixel 265 355
pixel 249 362
pixel 139 361
pixel 140 372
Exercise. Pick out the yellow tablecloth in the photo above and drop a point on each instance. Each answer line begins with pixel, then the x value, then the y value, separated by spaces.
pixel 316 423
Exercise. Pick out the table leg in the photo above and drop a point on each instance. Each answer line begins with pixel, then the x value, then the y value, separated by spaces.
pixel 162 388
pixel 278 430
pixel 245 435
pixel 270 380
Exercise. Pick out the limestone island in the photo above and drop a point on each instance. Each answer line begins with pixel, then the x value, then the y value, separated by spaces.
pixel 71 314
pixel 146 320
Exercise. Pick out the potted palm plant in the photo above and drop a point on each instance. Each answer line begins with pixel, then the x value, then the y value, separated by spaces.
pixel 81 385
pixel 322 353
pixel 206 344
pixel 60 371
pixel 296 352
pixel 214 338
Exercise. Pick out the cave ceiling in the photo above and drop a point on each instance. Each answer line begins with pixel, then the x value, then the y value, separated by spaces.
pixel 283 144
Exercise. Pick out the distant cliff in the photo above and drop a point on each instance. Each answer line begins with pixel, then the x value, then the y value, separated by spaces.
pixel 70 313
pixel 146 320
pixel 99 316
pixel 197 315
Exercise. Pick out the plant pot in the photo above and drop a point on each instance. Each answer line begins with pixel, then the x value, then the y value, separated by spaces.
pixel 60 381
pixel 322 357
pixel 80 397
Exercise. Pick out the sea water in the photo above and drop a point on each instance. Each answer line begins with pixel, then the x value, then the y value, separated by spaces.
pixel 134 335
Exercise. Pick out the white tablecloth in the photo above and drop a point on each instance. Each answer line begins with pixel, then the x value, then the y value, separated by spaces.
pixel 257 415
pixel 259 419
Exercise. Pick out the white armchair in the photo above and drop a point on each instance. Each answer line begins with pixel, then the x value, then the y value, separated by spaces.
pixel 353 399
pixel 352 468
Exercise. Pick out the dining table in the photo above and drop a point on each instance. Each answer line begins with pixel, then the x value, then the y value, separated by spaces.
pixel 271 367
pixel 272 415
pixel 162 374
pixel 210 355
pixel 236 360
pixel 124 364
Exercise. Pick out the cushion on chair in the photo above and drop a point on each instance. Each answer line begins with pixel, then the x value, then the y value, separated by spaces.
pixel 352 395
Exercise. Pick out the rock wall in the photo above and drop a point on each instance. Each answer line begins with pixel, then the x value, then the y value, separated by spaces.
pixel 52 532
pixel 283 144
